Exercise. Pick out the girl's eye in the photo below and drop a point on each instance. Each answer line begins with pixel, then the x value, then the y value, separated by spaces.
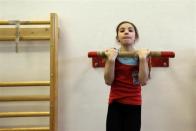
pixel 122 30
pixel 130 30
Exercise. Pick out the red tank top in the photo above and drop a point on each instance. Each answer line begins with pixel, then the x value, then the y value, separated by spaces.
pixel 126 88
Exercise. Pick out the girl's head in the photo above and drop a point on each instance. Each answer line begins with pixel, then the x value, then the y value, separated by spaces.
pixel 126 33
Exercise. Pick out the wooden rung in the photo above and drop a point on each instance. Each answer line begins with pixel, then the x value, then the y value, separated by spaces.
pixel 23 114
pixel 26 129
pixel 9 34
pixel 24 38
pixel 12 22
pixel 29 83
pixel 24 98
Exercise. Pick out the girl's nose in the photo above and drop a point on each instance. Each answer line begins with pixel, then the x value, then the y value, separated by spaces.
pixel 126 31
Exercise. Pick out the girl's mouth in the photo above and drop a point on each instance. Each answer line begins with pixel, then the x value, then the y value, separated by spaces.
pixel 126 37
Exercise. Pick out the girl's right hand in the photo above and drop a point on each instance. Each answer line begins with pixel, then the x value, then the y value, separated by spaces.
pixel 111 54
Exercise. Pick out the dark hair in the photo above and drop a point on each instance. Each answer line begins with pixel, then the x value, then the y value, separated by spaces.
pixel 135 28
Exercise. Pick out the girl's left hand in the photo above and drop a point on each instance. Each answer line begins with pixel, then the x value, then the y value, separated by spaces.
pixel 143 53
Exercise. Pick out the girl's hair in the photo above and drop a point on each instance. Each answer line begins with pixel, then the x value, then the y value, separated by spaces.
pixel 135 28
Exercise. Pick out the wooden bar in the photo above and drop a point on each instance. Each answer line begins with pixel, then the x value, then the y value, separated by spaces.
pixel 53 72
pixel 24 98
pixel 23 114
pixel 9 34
pixel 12 22
pixel 134 54
pixel 25 129
pixel 28 83
pixel 167 54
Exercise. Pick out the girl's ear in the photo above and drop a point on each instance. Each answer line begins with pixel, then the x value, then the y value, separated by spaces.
pixel 117 39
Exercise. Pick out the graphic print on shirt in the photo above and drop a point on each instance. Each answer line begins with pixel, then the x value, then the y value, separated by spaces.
pixel 135 77
pixel 132 62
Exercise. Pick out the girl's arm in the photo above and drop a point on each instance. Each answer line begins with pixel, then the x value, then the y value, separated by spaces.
pixel 143 66
pixel 110 65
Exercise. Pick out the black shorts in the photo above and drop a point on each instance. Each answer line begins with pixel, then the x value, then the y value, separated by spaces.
pixel 122 117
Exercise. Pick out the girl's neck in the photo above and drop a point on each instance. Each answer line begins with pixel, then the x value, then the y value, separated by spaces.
pixel 127 48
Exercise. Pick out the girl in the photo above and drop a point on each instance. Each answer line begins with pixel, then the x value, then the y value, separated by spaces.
pixel 125 76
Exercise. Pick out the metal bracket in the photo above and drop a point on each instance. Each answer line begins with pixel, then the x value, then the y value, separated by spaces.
pixel 159 62
pixel 17 34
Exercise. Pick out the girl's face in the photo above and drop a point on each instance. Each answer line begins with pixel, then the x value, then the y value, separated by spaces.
pixel 126 34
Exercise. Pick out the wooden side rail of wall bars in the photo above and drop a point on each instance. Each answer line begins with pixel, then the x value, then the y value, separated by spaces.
pixel 45 33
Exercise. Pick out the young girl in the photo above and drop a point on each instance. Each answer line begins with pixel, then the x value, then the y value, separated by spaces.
pixel 125 76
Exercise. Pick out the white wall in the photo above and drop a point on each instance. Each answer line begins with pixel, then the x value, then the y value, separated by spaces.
pixel 170 96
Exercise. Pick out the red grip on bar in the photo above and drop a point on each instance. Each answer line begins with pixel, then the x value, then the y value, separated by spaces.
pixel 167 54
pixel 92 54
